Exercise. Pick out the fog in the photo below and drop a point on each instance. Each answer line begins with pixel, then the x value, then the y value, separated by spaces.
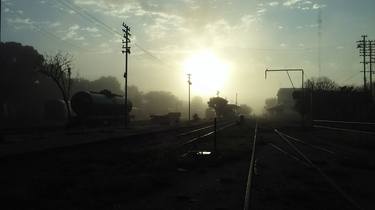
pixel 318 36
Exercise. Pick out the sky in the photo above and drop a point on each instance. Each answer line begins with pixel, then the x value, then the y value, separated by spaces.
pixel 170 38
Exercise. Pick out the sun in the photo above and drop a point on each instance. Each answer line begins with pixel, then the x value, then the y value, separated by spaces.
pixel 208 72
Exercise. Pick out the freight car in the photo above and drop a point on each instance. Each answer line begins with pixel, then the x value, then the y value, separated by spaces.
pixel 101 107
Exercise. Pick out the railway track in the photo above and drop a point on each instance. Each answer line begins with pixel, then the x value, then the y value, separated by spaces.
pixel 41 142
pixel 287 139
pixel 298 150
pixel 366 128
pixel 199 136
pixel 138 167
pixel 247 202
pixel 146 164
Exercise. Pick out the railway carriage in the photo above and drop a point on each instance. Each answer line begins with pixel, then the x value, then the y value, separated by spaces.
pixel 101 107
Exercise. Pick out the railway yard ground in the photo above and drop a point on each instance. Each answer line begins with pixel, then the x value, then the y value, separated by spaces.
pixel 174 169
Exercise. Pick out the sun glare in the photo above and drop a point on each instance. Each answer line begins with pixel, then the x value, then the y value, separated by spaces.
pixel 209 73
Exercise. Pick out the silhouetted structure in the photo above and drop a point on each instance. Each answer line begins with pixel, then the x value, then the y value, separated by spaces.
pixel 346 103
pixel 367 51
pixel 189 83
pixel 222 108
pixel 171 118
pixel 126 51
pixel 284 103
pixel 58 68
pixel 99 107
pixel 23 90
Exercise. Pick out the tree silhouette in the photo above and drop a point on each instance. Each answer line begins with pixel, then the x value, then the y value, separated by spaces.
pixel 135 95
pixel 19 66
pixel 321 83
pixel 23 90
pixel 160 102
pixel 197 105
pixel 58 68
pixel 245 110
pixel 110 83
pixel 219 105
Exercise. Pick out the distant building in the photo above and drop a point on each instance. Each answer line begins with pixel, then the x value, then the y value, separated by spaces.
pixel 284 102
pixel 285 97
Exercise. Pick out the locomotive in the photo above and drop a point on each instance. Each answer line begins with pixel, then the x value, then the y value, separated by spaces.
pixel 102 107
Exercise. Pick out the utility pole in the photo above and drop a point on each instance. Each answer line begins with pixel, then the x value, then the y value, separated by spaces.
pixel 126 51
pixel 362 50
pixel 236 98
pixel 1 9
pixel 371 44
pixel 189 83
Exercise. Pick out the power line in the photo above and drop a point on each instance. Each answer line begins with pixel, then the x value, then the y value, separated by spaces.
pixel 87 16
pixel 81 12
pixel 290 79
pixel 47 32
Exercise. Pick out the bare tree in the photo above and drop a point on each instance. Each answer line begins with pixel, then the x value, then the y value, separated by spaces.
pixel 58 68
pixel 321 83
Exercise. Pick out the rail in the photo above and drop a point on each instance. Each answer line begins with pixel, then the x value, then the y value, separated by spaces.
pixel 195 139
pixel 344 122
pixel 320 171
pixel 345 130
pixel 247 203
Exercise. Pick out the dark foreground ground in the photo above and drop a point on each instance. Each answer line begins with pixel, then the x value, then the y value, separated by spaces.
pixel 154 172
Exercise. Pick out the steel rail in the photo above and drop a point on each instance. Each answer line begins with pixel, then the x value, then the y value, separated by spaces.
pixel 344 122
pixel 308 144
pixel 247 202
pixel 345 130
pixel 194 131
pixel 200 129
pixel 324 175
pixel 207 134
pixel 289 155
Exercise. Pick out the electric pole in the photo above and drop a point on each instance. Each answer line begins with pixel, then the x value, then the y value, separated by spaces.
pixel 189 83
pixel 126 51
pixel 1 9
pixel 363 52
pixel 371 45
pixel 236 98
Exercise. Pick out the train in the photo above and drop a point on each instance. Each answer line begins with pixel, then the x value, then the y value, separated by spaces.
pixel 102 107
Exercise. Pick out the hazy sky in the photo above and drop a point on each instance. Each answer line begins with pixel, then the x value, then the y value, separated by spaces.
pixel 245 36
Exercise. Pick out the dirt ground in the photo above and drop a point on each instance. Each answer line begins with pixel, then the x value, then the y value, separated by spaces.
pixel 153 173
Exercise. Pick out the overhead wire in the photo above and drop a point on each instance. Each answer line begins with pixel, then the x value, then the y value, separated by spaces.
pixel 290 79
pixel 81 12
pixel 47 32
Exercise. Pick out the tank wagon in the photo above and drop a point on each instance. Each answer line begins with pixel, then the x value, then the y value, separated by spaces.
pixel 101 107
